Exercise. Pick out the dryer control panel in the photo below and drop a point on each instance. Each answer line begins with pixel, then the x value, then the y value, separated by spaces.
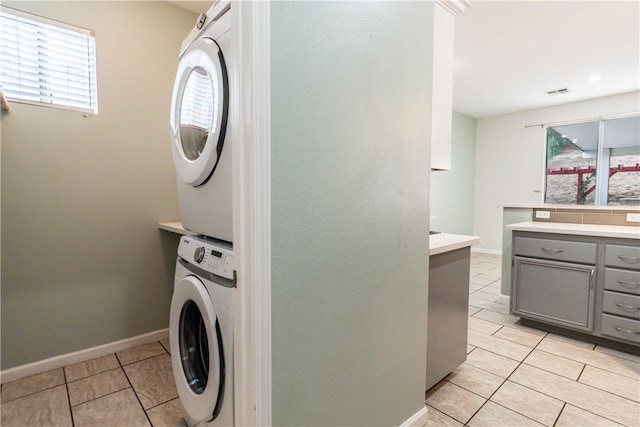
pixel 213 256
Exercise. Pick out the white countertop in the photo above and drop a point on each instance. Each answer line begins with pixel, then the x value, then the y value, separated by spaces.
pixel 623 231
pixel 438 243
pixel 174 227
pixel 572 207
pixel 444 242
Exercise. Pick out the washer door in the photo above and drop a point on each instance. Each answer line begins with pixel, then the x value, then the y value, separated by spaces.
pixel 197 354
pixel 199 111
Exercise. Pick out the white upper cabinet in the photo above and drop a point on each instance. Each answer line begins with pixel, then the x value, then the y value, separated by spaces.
pixel 442 86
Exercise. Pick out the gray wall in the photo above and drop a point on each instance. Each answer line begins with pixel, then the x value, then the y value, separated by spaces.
pixel 350 179
pixel 83 262
pixel 452 192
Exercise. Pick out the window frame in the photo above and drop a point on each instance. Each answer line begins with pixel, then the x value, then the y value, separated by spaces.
pixel 599 153
pixel 92 86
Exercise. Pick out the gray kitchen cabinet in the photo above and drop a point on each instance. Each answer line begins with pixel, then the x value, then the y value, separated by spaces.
pixel 620 317
pixel 587 284
pixel 555 292
pixel 447 313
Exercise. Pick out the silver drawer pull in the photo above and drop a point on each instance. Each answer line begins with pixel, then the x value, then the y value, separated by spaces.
pixel 628 331
pixel 552 251
pixel 630 285
pixel 628 307
pixel 629 259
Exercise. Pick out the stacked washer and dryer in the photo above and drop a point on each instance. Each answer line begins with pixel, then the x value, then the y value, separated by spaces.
pixel 201 319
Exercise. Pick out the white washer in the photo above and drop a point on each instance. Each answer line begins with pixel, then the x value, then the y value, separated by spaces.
pixel 201 331
pixel 201 143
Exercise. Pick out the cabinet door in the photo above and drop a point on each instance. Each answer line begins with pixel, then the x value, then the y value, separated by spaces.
pixel 554 292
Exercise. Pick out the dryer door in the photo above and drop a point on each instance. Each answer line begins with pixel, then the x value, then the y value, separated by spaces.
pixel 197 356
pixel 199 111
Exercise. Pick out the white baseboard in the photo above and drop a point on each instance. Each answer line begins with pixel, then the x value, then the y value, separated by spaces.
pixel 416 420
pixel 486 251
pixel 504 299
pixel 29 369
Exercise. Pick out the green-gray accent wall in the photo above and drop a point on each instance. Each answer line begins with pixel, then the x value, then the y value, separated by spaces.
pixel 83 262
pixel 351 91
pixel 452 191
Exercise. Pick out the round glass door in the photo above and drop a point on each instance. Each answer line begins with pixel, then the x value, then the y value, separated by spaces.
pixel 194 347
pixel 199 111
pixel 197 356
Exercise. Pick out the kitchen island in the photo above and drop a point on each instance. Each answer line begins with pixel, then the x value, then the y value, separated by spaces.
pixel 447 306
pixel 582 278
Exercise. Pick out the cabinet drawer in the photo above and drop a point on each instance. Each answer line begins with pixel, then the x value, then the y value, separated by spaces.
pixel 620 328
pixel 621 304
pixel 622 280
pixel 560 250
pixel 622 256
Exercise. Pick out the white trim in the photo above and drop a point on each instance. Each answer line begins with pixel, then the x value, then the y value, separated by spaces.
pixel 23 371
pixel 503 299
pixel 454 7
pixel 47 21
pixel 417 420
pixel 486 251
pixel 251 119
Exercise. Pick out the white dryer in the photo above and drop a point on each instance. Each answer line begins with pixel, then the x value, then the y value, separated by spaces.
pixel 201 331
pixel 201 140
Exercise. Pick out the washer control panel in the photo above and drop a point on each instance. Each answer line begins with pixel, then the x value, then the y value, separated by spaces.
pixel 213 256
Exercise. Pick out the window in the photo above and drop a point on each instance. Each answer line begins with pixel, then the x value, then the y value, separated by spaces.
pixel 47 62
pixel 594 163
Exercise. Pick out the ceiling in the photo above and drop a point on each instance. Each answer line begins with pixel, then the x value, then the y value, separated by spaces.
pixel 194 6
pixel 509 53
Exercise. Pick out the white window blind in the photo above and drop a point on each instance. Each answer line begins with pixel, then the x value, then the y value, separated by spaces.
pixel 198 101
pixel 47 62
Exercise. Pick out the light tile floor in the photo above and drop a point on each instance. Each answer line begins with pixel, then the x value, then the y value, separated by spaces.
pixel 520 376
pixel 514 376
pixel 131 388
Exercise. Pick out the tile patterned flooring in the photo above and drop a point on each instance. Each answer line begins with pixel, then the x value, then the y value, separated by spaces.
pixel 520 376
pixel 131 388
pixel 514 376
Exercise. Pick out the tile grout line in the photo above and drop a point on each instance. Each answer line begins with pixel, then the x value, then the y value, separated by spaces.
pixel 576 381
pixel 92 375
pixel 496 390
pixel 593 366
pixel 134 390
pixel 564 405
pixel 164 402
pixel 581 372
pixel 31 394
pixel 104 395
pixel 66 387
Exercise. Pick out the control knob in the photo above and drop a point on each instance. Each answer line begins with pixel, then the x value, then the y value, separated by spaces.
pixel 198 254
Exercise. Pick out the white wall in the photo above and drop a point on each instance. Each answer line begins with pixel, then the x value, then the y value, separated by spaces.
pixel 510 158
pixel 83 262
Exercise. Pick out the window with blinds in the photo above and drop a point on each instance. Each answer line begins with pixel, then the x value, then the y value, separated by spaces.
pixel 46 62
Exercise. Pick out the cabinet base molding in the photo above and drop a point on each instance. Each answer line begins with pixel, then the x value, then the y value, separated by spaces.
pixel 416 420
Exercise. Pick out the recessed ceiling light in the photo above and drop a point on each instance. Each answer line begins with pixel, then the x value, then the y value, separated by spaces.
pixel 564 136
pixel 594 77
